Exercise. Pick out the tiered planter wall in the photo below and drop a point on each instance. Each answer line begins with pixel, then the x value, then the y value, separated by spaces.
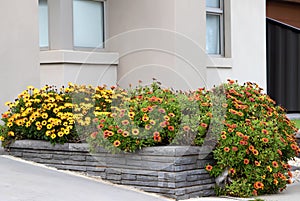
pixel 173 171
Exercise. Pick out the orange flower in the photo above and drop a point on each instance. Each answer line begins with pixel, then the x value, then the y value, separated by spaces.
pixel 144 109
pixel 186 128
pixel 246 137
pixel 230 130
pixel 290 174
pixel 294 147
pixel 255 152
pixel 119 131
pixel 275 181
pixel 240 134
pixel 223 133
pixel 4 116
pixel 226 149
pixel 125 134
pixel 171 114
pixel 246 161
pixel 264 131
pixel 125 122
pixel 257 163
pixel 145 118
pixel 209 168
pixel 275 164
pixel 258 185
pixel 232 171
pixel 171 128
pixel 94 135
pixel 231 81
pixel 156 136
pixel 223 137
pixel 254 192
pixel 135 131
pixel 265 140
pixel 279 152
pixel 251 147
pixel 117 143
pixel 224 105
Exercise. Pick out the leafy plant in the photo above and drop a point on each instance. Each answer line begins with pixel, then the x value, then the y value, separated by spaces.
pixel 255 144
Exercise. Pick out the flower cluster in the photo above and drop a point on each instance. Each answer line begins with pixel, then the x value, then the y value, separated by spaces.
pixel 51 114
pixel 255 144
pixel 152 116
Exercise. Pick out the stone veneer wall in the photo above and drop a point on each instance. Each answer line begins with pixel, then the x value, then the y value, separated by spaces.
pixel 173 171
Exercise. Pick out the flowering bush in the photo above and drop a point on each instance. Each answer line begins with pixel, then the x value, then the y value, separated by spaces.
pixel 255 144
pixel 49 114
pixel 151 115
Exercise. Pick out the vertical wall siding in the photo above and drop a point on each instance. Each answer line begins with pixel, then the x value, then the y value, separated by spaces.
pixel 283 64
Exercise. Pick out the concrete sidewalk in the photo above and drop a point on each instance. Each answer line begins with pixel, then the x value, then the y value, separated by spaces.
pixel 26 181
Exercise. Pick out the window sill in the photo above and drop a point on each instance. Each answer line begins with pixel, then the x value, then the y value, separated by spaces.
pixel 78 57
pixel 218 62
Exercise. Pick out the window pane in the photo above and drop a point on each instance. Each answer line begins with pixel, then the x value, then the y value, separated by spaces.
pixel 43 23
pixel 88 23
pixel 213 3
pixel 213 34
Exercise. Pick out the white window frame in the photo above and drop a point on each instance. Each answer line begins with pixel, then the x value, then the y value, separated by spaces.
pixel 45 47
pixel 104 30
pixel 219 12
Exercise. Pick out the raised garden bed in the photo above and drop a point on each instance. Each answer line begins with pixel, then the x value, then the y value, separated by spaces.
pixel 173 171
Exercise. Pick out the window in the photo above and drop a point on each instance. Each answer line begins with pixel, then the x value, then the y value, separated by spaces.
pixel 43 23
pixel 214 27
pixel 88 23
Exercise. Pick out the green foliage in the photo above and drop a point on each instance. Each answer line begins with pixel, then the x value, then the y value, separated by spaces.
pixel 255 144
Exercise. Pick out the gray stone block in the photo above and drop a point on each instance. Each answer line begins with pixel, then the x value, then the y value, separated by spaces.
pixel 15 153
pixel 113 171
pixel 140 183
pixel 96 169
pixel 184 160
pixel 61 156
pixel 128 177
pixel 77 157
pixel 37 155
pixel 115 177
pixel 78 147
pixel 146 178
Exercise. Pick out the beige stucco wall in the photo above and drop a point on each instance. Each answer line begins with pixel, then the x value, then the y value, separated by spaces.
pixel 166 40
pixel 248 45
pixel 19 48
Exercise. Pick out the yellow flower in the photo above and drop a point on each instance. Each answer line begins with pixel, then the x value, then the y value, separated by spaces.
pixel 2 138
pixel 28 124
pixel 53 136
pixel 44 123
pixel 11 133
pixel 37 123
pixel 49 126
pixel 9 124
pixel 66 131
pixel 44 115
pixel 60 134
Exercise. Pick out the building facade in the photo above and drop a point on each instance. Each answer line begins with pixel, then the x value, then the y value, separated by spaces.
pixel 184 44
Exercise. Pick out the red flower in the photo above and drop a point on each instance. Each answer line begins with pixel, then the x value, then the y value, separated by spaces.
pixel 251 147
pixel 119 131
pixel 209 168
pixel 246 137
pixel 257 163
pixel 204 125
pixel 235 149
pixel 223 137
pixel 264 131
pixel 125 122
pixel 254 192
pixel 94 135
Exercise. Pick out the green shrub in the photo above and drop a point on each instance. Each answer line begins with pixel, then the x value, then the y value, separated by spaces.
pixel 151 116
pixel 255 144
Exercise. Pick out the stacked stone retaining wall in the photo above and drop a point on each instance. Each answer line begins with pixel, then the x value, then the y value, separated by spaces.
pixel 173 171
